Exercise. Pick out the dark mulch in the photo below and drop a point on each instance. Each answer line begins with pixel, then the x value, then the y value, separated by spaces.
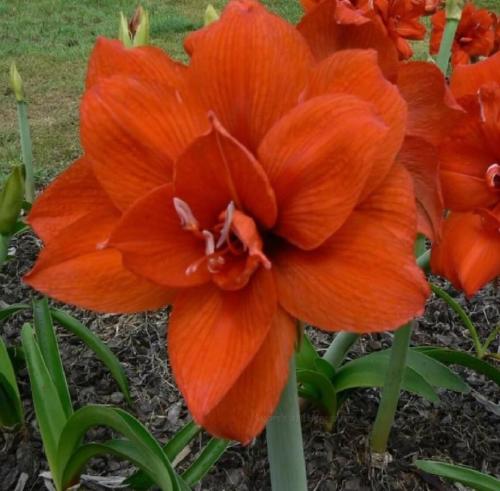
pixel 459 429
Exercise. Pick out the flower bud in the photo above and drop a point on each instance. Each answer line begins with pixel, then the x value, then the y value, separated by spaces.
pixel 11 200
pixel 211 15
pixel 123 32
pixel 139 27
pixel 16 83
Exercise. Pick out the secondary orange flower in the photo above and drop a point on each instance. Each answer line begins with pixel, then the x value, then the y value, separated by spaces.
pixel 469 253
pixel 475 34
pixel 245 190
pixel 396 19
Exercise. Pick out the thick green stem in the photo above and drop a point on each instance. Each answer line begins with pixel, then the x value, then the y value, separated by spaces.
pixel 26 150
pixel 339 348
pixel 391 390
pixel 284 440
pixel 4 249
pixel 453 15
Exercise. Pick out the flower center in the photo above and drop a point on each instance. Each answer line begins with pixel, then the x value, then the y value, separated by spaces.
pixel 232 247
pixel 493 177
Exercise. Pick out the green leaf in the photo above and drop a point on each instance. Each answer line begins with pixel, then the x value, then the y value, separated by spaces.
pixel 49 348
pixel 458 473
pixel 327 394
pixel 11 407
pixel 49 411
pixel 455 357
pixel 124 424
pixel 123 449
pixel 97 346
pixel 139 480
pixel 306 355
pixel 369 371
pixel 10 310
pixel 205 461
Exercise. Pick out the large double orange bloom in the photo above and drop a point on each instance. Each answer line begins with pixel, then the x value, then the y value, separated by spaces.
pixel 469 254
pixel 250 188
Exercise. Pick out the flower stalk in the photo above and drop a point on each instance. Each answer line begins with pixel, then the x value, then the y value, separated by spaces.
pixel 284 440
pixel 339 348
pixel 391 390
pixel 453 14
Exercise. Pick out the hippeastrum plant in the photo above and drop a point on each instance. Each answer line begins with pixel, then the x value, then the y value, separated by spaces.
pixel 249 189
pixel 469 253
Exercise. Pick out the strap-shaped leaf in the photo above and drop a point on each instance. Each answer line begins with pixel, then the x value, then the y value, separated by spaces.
pixel 323 386
pixel 11 407
pixel 458 473
pixel 97 346
pixel 47 341
pixel 139 480
pixel 455 357
pixel 307 354
pixel 10 310
pixel 124 424
pixel 49 411
pixel 205 461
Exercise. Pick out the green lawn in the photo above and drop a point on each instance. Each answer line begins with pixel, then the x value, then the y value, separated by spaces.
pixel 50 41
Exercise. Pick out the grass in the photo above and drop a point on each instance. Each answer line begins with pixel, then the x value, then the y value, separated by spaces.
pixel 50 40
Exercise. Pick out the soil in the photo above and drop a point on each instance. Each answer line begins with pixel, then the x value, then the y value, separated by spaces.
pixel 460 429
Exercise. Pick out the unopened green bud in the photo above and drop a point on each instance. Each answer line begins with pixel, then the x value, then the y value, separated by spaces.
pixel 16 83
pixel 11 200
pixel 211 15
pixel 139 27
pixel 454 9
pixel 123 32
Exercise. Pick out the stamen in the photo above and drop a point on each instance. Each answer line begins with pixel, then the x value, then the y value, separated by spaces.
pixel 209 242
pixel 194 267
pixel 188 221
pixel 228 220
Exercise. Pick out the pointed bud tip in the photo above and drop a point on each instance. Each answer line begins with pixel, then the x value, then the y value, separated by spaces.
pixel 11 200
pixel 211 15
pixel 140 27
pixel 123 32
pixel 16 83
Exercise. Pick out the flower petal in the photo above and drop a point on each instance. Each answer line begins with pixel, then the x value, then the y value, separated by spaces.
pixel 244 411
pixel 250 68
pixel 132 131
pixel 110 57
pixel 214 335
pixel 365 277
pixel 318 158
pixel 154 245
pixel 468 79
pixel 468 254
pixel 357 72
pixel 420 158
pixel 74 268
pixel 325 36
pixel 432 111
pixel 215 170
pixel 74 194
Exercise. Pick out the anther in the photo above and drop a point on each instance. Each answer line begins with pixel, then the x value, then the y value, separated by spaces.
pixel 226 228
pixel 188 221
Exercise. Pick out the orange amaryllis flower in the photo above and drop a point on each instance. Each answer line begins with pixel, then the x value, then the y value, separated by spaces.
pixel 470 156
pixel 396 19
pixel 475 34
pixel 245 190
pixel 469 253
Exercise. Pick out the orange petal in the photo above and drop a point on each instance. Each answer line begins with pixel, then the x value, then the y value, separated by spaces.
pixel 421 160
pixel 216 170
pixel 250 68
pixel 356 72
pixel 154 245
pixel 109 57
pixel 325 36
pixel 74 268
pixel 132 131
pixel 318 158
pixel 468 79
pixel 75 193
pixel 468 254
pixel 432 111
pixel 364 278
pixel 244 411
pixel 214 335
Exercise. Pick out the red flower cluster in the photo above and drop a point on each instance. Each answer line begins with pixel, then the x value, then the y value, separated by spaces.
pixel 469 253
pixel 475 35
